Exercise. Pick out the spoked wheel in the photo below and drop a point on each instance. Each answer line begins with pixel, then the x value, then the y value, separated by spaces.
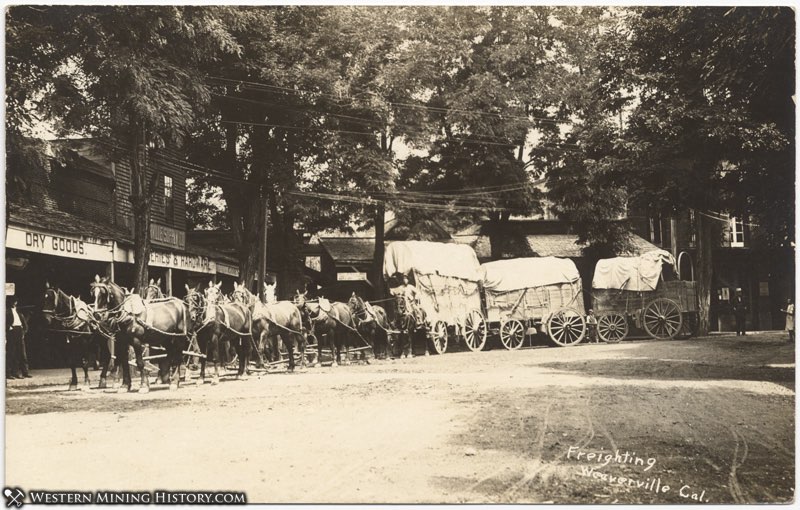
pixel 512 334
pixel 566 327
pixel 475 331
pixel 662 318
pixel 612 327
pixel 439 337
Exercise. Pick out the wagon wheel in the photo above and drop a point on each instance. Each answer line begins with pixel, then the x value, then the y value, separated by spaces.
pixel 439 337
pixel 662 318
pixel 512 334
pixel 475 330
pixel 612 327
pixel 566 327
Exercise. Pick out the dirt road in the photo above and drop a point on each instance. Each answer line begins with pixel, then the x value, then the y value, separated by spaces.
pixel 708 419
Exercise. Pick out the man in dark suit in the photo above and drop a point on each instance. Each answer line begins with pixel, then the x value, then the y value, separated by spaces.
pixel 16 359
pixel 740 312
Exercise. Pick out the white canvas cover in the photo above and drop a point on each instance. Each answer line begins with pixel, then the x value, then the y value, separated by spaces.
pixel 429 258
pixel 528 272
pixel 631 273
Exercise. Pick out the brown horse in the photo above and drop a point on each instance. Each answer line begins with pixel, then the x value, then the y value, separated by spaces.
pixel 333 320
pixel 224 321
pixel 373 324
pixel 71 317
pixel 274 323
pixel 162 325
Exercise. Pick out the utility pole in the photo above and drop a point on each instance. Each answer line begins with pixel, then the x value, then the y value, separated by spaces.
pixel 262 260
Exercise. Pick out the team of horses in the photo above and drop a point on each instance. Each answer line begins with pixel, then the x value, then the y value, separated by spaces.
pixel 169 331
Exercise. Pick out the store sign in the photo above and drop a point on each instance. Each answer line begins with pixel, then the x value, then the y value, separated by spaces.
pixel 351 277
pixel 223 268
pixel 168 236
pixel 77 247
pixel 195 263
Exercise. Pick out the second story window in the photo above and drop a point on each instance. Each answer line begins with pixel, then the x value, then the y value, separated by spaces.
pixel 692 230
pixel 736 227
pixel 169 207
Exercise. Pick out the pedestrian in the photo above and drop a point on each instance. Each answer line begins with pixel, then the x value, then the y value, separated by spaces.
pixel 412 301
pixel 740 312
pixel 16 366
pixel 591 326
pixel 789 318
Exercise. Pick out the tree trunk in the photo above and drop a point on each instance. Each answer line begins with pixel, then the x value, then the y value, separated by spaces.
pixel 377 259
pixel 705 247
pixel 141 195
pixel 244 212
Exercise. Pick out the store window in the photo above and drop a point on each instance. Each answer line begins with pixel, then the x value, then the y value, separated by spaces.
pixel 169 202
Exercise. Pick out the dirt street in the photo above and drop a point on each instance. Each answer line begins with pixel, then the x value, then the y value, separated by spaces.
pixel 708 419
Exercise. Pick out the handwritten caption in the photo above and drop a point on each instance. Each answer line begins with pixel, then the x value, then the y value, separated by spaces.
pixel 651 483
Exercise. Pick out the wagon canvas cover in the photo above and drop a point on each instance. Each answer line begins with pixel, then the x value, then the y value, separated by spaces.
pixel 525 273
pixel 447 277
pixel 531 288
pixel 425 257
pixel 631 273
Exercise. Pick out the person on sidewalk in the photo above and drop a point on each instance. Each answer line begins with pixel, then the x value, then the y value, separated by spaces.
pixel 789 319
pixel 16 364
pixel 591 327
pixel 740 312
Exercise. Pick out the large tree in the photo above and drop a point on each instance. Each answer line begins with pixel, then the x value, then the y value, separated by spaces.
pixel 126 73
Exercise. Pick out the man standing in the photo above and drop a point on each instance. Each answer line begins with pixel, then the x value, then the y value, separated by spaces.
pixel 412 301
pixel 789 318
pixel 740 312
pixel 16 368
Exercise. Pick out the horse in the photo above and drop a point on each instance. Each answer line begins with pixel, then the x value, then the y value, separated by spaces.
pixel 224 321
pixel 153 290
pixel 273 324
pixel 162 325
pixel 332 320
pixel 72 317
pixel 372 321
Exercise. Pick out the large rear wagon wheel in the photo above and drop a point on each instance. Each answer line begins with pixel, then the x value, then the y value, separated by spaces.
pixel 612 327
pixel 512 334
pixel 439 337
pixel 475 331
pixel 662 318
pixel 566 327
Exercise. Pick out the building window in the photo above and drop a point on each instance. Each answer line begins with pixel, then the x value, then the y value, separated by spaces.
pixel 736 227
pixel 692 230
pixel 169 203
pixel 656 231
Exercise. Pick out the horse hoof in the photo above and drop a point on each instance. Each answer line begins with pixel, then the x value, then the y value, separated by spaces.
pixel 173 387
pixel 144 389
pixel 427 353
pixel 84 387
pixel 122 389
pixel 73 387
pixel 103 384
pixel 317 365
pixel 215 381
pixel 199 381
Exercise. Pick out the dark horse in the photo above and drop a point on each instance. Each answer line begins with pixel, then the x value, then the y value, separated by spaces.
pixel 223 322
pixel 332 320
pixel 373 324
pixel 274 323
pixel 72 317
pixel 163 325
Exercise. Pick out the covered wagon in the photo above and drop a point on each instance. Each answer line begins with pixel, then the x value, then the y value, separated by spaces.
pixel 445 283
pixel 535 294
pixel 642 291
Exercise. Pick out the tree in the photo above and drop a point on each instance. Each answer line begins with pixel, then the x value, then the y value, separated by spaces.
pixel 125 73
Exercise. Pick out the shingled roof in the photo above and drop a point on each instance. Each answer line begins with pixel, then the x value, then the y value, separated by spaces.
pixel 59 221
pixel 349 250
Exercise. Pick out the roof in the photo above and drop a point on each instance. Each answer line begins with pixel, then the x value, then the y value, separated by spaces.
pixel 51 219
pixel 54 220
pixel 541 245
pixel 349 250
